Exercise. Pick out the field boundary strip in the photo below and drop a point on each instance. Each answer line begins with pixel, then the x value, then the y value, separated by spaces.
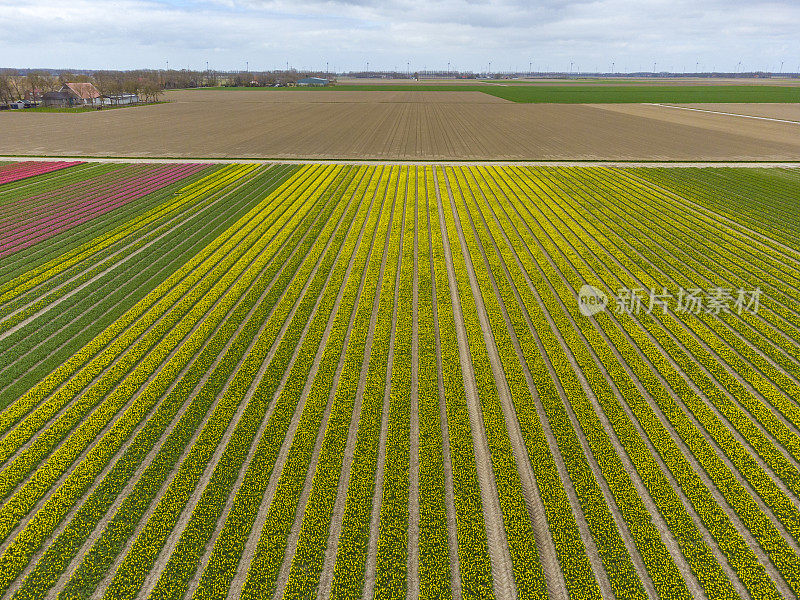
pixel 721 112
pixel 412 162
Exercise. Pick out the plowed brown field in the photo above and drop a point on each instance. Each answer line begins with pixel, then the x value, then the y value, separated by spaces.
pixel 396 125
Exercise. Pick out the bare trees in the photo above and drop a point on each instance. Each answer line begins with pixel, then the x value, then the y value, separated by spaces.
pixel 6 91
pixel 151 90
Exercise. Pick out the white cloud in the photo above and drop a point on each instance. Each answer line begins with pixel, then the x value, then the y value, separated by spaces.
pixel 348 33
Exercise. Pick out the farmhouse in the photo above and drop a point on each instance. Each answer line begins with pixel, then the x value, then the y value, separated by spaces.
pixel 73 94
pixel 313 81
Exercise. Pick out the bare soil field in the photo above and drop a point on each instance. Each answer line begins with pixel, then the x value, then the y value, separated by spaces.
pixel 396 125
pixel 305 96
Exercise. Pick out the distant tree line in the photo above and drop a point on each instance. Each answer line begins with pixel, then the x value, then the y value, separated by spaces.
pixel 31 85
pixel 148 84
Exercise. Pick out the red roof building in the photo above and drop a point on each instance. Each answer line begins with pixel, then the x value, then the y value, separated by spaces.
pixel 82 93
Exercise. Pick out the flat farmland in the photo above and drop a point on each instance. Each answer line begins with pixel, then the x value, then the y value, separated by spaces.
pixel 352 381
pixel 395 125
pixel 787 112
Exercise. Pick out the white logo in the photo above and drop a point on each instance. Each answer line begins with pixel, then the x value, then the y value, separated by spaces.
pixel 591 300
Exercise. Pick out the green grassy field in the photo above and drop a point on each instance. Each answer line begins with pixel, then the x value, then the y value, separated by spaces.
pixel 80 109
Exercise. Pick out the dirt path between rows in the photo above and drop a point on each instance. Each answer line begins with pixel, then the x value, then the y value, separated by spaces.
pixel 378 162
pixel 337 516
pixel 412 592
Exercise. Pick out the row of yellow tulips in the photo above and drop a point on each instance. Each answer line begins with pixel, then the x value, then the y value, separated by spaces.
pixel 706 507
pixel 229 546
pixel 271 547
pixel 528 574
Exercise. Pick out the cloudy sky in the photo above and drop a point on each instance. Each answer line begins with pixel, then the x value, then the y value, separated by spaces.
pixel 674 35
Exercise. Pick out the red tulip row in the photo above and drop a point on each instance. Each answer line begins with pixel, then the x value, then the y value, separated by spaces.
pixel 29 232
pixel 35 201
pixel 22 170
